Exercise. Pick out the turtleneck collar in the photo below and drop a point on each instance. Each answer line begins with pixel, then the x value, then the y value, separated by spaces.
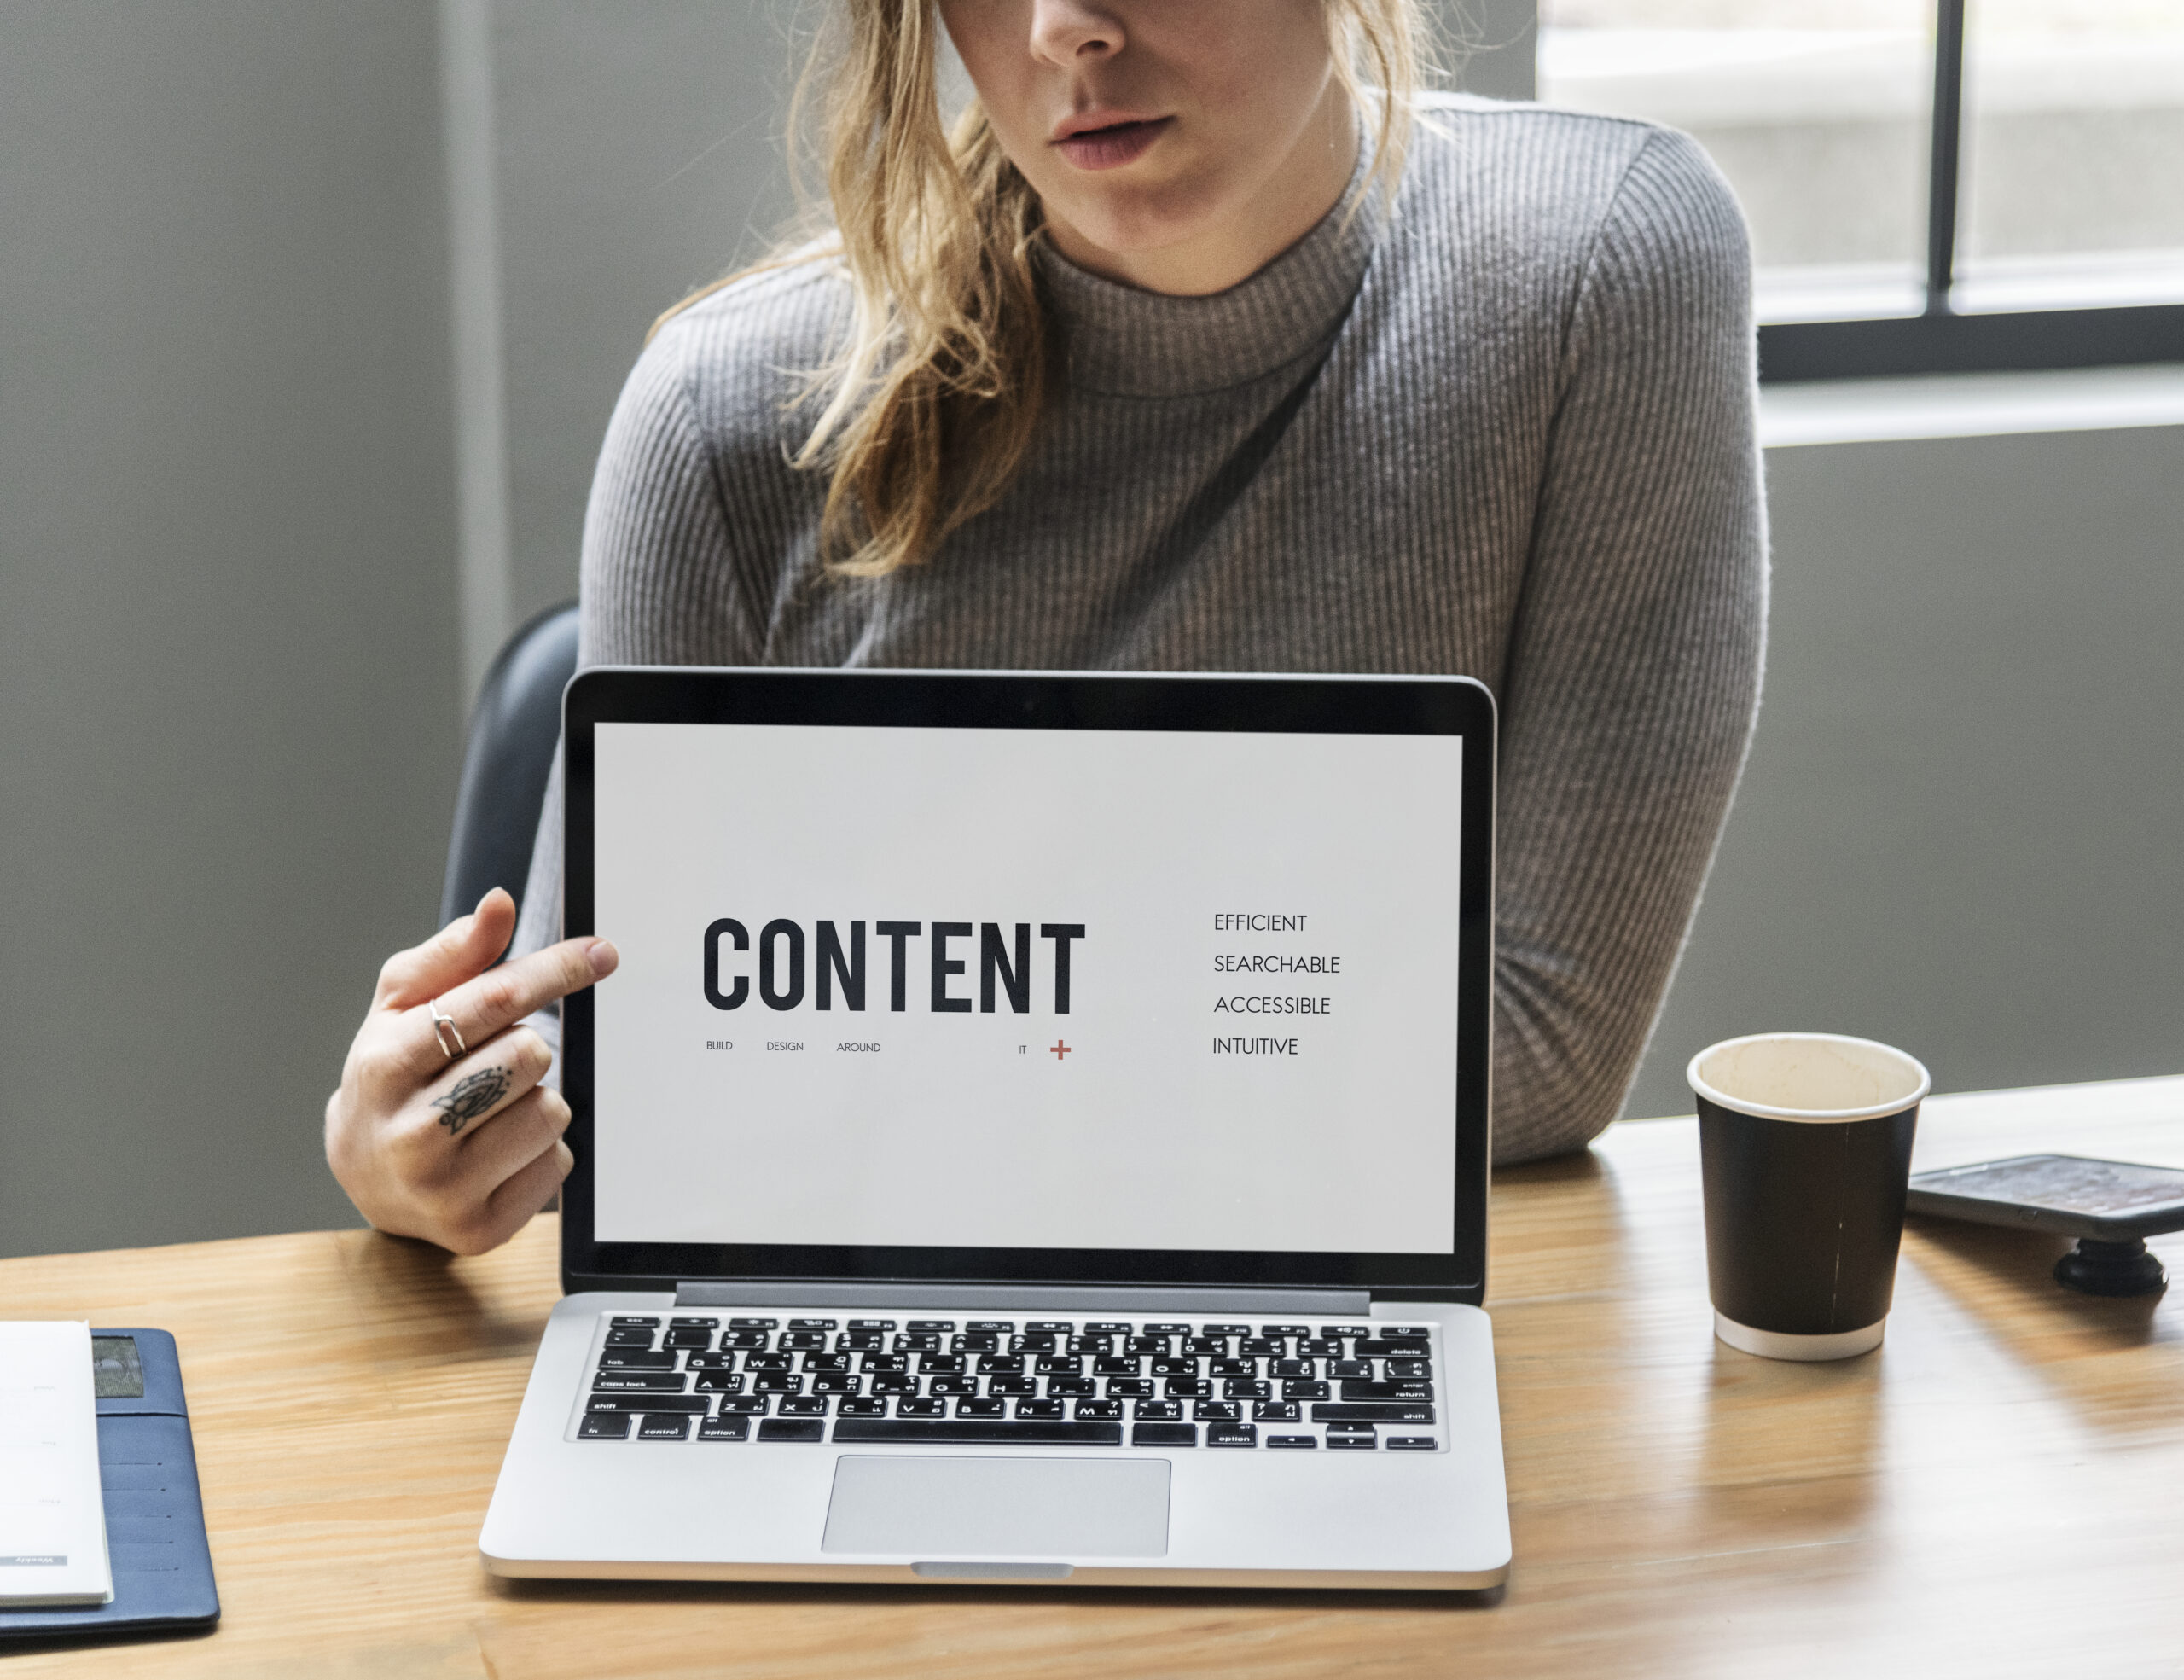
pixel 1124 341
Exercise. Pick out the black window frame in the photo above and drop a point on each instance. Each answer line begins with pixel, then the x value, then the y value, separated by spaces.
pixel 1941 339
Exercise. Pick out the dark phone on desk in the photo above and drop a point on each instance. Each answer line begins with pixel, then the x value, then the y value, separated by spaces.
pixel 2109 1201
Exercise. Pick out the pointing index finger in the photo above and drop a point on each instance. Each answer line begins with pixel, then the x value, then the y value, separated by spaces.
pixel 499 998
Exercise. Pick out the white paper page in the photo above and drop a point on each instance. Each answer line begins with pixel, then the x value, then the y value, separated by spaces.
pixel 52 1511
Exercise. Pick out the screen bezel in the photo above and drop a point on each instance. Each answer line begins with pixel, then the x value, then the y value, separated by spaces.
pixel 1455 705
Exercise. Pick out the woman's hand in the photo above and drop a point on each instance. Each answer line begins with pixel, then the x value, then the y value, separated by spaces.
pixel 460 1146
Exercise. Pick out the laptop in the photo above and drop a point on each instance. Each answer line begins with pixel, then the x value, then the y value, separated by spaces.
pixel 1037 1133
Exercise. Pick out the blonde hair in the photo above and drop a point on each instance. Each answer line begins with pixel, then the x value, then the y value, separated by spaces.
pixel 930 404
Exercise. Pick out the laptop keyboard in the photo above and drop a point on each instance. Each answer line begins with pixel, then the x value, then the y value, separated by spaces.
pixel 1097 1382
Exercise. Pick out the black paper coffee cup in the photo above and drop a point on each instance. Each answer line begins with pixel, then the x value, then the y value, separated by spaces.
pixel 1805 1142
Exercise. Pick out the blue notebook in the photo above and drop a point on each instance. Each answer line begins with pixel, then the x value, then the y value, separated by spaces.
pixel 155 1518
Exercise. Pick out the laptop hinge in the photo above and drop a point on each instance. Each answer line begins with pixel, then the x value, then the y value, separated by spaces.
pixel 1028 1297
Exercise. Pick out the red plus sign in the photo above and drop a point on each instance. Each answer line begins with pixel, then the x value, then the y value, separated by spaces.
pixel 1059 1050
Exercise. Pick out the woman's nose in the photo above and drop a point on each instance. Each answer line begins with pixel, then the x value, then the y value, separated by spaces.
pixel 1067 32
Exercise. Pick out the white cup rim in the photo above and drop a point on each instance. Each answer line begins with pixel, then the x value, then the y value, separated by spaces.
pixel 1738 1105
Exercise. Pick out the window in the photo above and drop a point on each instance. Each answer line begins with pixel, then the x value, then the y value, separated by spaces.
pixel 1933 185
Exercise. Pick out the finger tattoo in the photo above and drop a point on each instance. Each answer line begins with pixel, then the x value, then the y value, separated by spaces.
pixel 474 1094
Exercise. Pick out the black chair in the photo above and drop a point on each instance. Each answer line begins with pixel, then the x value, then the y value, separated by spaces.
pixel 513 733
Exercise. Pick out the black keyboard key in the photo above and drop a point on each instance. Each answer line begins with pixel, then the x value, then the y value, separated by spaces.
pixel 628 1339
pixel 1412 1443
pixel 826 1361
pixel 917 1344
pixel 1246 1388
pixel 745 1341
pixel 638 1359
pixel 1106 1326
pixel 1038 1409
pixel 1001 1364
pixel 1232 1368
pixel 1332 1331
pixel 803 1341
pixel 1175 1368
pixel 940 1364
pixel 929 1327
pixel 743 1406
pixel 1259 1348
pixel 1168 1329
pixel 1387 1390
pixel 1187 1388
pixel 804 1405
pixel 724 1429
pixel 1164 1435
pixel 754 1323
pixel 911 1406
pixel 776 1382
pixel 1366 1349
pixel 1072 1387
pixel 1158 1411
pixel 854 1407
pixel 1349 1368
pixel 836 1382
pixel 1336 1443
pixel 1015 1387
pixel 988 1408
pixel 767 1362
pixel 1003 1326
pixel 1218 1411
pixel 1098 1409
pixel 1292 1441
pixel 1083 1345
pixel 604 1426
pixel 884 1362
pixel 693 1323
pixel 1292 1368
pixel 1399 1369
pixel 1200 1346
pixel 1030 1344
pixel 895 1383
pixel 975 1432
pixel 811 1323
pixel 1115 1365
pixel 955 1385
pixel 1057 1364
pixel 1142 1346
pixel 1049 1327
pixel 719 1382
pixel 1417 1330
pixel 687 1338
pixel 1129 1389
pixel 687 1404
pixel 859 1341
pixel 793 1429
pixel 981 1343
pixel 705 1362
pixel 669 1427
pixel 633 1323
pixel 1318 1347
pixel 1228 1330
pixel 1372 1412
pixel 1275 1411
pixel 872 1323
pixel 1303 1391
pixel 1285 1329
pixel 1232 1435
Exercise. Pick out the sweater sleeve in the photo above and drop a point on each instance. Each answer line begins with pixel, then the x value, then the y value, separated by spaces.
pixel 656 585
pixel 1633 679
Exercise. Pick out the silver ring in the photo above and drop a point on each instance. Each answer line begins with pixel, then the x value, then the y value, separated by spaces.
pixel 443 1026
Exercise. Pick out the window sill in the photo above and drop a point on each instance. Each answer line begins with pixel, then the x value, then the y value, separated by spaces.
pixel 1969 405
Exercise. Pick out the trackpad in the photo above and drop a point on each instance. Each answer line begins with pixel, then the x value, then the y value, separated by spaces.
pixel 929 1508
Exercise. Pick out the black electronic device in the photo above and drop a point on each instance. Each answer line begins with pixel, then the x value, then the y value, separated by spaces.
pixel 154 1518
pixel 2111 1207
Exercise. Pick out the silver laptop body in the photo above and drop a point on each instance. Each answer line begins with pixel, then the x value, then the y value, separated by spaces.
pixel 1037 1133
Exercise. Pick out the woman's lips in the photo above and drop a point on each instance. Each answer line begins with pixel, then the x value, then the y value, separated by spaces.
pixel 1111 147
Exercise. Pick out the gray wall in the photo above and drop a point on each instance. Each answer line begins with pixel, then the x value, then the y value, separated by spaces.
pixel 1962 824
pixel 227 602
pixel 234 574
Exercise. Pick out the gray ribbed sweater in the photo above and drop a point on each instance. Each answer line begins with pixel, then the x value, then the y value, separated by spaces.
pixel 1505 430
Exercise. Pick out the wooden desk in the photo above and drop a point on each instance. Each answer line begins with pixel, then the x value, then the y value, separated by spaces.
pixel 1999 1490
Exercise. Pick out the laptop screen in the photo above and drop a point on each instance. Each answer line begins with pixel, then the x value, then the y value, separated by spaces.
pixel 1025 988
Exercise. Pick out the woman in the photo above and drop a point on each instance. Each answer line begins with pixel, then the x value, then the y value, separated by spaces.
pixel 1186 351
